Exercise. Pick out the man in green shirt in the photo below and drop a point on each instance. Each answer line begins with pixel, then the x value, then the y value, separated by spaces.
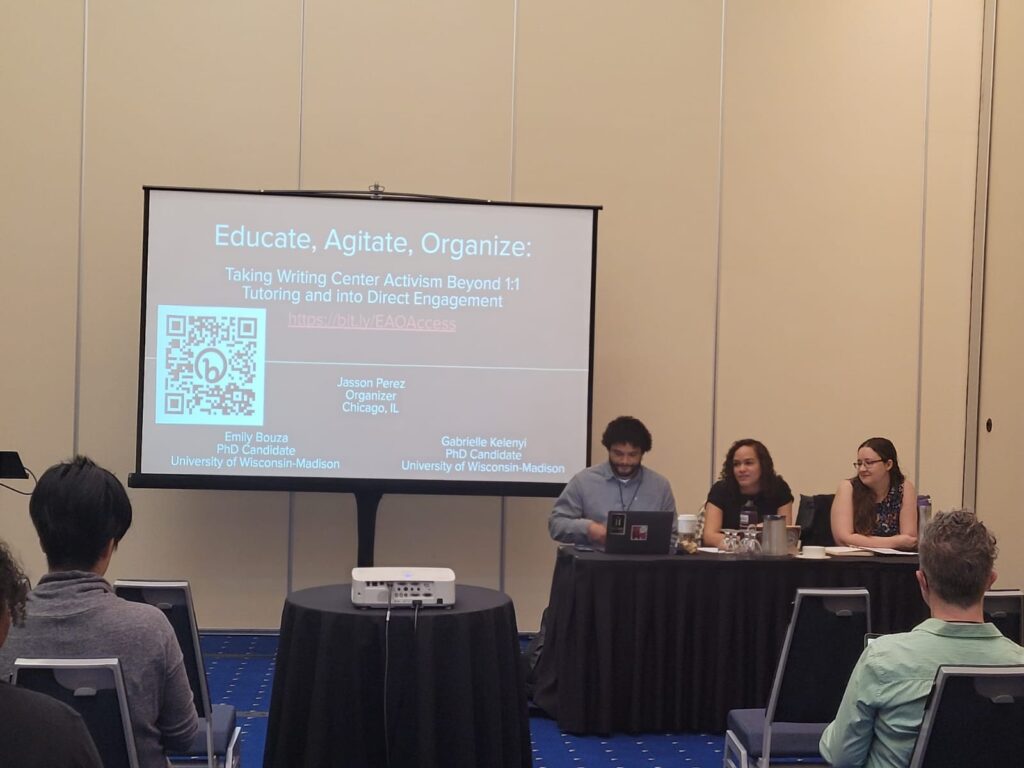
pixel 880 716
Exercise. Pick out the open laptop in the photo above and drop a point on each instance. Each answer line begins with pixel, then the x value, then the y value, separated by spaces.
pixel 639 532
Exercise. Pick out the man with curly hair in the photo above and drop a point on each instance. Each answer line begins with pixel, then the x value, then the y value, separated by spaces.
pixel 580 515
pixel 36 731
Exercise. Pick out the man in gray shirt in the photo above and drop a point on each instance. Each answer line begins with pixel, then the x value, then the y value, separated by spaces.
pixel 621 483
pixel 81 512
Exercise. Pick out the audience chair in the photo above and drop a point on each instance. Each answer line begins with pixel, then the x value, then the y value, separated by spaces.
pixel 95 689
pixel 824 639
pixel 974 716
pixel 218 736
pixel 814 516
pixel 1005 609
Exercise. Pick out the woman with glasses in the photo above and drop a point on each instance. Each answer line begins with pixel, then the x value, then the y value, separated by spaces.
pixel 748 475
pixel 878 507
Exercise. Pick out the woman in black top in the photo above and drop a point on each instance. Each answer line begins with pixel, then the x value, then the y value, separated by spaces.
pixel 748 474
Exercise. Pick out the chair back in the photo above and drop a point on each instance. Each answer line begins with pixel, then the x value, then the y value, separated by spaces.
pixel 975 716
pixel 174 598
pixel 824 639
pixel 95 689
pixel 814 516
pixel 1005 609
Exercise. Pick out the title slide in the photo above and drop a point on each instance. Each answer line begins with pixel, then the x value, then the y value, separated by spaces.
pixel 313 336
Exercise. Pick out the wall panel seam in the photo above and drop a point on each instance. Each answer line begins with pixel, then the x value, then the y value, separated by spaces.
pixel 77 397
pixel 924 243
pixel 719 181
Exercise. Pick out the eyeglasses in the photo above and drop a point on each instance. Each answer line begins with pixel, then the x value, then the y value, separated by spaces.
pixel 866 463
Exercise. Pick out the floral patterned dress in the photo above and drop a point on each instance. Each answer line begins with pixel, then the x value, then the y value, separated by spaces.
pixel 887 512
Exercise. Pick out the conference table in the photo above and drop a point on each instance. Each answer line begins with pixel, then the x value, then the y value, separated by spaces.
pixel 671 643
pixel 437 687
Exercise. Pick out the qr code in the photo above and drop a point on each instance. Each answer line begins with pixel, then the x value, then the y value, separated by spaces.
pixel 210 365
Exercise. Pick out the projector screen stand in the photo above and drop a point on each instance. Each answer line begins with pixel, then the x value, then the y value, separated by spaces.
pixel 366 525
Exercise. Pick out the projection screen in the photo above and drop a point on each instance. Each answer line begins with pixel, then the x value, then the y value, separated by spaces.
pixel 315 341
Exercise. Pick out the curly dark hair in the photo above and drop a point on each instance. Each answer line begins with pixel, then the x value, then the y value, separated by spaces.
pixel 864 514
pixel 768 477
pixel 13 586
pixel 957 553
pixel 626 429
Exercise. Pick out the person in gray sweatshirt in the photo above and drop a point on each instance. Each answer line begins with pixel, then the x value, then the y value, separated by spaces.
pixel 81 512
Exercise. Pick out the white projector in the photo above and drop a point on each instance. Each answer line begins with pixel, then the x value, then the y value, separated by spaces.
pixel 381 587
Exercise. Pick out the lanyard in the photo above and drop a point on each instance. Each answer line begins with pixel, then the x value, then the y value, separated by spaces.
pixel 622 500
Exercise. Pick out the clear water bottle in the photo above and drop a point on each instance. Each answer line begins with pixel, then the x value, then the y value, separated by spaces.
pixel 749 514
pixel 924 512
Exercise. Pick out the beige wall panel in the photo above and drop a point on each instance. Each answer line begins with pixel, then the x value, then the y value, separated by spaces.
pixel 821 231
pixel 416 96
pixel 457 532
pixel 1002 365
pixel 954 95
pixel 326 546
pixel 40 98
pixel 189 94
pixel 618 105
pixel 529 559
pixel 210 99
pixel 229 545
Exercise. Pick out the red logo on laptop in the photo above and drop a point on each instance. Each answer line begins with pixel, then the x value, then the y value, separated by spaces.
pixel 638 533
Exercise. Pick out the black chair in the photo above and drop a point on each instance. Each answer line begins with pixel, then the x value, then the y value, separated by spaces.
pixel 975 716
pixel 95 689
pixel 218 737
pixel 824 640
pixel 814 516
pixel 1005 609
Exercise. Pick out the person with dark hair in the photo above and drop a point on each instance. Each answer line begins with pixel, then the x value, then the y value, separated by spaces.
pixel 878 506
pixel 81 512
pixel 881 712
pixel 36 731
pixel 622 483
pixel 748 475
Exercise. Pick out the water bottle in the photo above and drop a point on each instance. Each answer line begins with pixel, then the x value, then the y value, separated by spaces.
pixel 748 514
pixel 924 511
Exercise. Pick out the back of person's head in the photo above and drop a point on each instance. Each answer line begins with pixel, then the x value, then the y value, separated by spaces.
pixel 957 553
pixel 626 429
pixel 77 507
pixel 13 588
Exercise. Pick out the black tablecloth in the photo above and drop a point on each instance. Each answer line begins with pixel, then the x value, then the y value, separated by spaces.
pixel 673 643
pixel 455 694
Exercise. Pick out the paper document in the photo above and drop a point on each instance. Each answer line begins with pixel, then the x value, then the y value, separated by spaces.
pixel 847 552
pixel 886 551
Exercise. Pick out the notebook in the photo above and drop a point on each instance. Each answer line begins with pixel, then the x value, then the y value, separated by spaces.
pixel 639 532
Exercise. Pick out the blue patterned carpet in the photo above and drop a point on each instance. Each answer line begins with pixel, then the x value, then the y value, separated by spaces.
pixel 240 670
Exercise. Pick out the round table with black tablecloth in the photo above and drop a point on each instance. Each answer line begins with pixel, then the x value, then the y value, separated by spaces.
pixel 454 695
pixel 672 643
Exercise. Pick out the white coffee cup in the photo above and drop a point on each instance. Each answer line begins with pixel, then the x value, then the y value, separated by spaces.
pixel 687 524
pixel 815 553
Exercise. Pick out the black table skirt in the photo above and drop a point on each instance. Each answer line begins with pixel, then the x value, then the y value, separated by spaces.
pixel 642 644
pixel 455 693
